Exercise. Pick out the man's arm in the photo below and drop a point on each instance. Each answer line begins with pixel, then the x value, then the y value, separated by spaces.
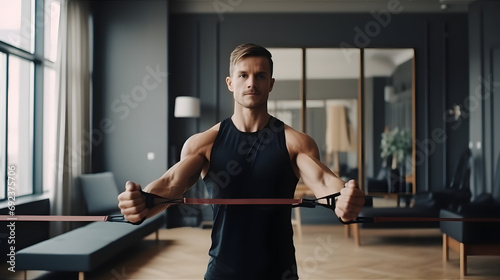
pixel 173 184
pixel 321 180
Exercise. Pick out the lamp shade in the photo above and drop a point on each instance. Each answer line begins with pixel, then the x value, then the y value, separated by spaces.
pixel 187 107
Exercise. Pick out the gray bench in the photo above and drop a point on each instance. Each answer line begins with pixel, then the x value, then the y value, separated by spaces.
pixel 86 248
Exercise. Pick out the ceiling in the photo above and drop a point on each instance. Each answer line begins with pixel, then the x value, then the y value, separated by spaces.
pixel 316 6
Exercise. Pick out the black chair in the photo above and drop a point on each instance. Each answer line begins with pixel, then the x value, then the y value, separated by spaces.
pixel 427 204
pixel 457 193
pixel 474 238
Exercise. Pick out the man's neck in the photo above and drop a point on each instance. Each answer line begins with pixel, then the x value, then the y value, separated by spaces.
pixel 250 120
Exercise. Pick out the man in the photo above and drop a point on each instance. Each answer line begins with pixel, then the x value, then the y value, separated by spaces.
pixel 249 155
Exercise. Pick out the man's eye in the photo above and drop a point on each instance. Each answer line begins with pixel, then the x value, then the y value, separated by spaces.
pixel 243 75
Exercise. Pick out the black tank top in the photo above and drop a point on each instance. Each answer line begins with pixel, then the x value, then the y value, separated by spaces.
pixel 251 241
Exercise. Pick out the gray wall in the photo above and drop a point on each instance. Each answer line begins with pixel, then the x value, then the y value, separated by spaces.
pixel 130 87
pixel 439 40
pixel 133 35
pixel 482 105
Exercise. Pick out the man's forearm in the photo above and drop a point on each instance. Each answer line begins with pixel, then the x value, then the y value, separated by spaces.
pixel 321 180
pixel 175 182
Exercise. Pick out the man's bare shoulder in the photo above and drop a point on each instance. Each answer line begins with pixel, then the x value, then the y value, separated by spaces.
pixel 202 142
pixel 299 142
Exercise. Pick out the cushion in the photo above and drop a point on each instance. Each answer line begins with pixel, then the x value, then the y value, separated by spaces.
pixel 100 193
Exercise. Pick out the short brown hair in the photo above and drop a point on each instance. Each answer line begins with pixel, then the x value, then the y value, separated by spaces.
pixel 246 50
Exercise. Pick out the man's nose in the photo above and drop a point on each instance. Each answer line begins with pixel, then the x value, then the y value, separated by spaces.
pixel 251 81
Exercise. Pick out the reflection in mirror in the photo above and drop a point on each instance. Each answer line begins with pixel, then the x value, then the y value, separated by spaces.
pixel 331 94
pixel 284 100
pixel 331 110
pixel 331 101
pixel 388 111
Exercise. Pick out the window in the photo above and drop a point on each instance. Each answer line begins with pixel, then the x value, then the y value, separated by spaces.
pixel 49 117
pixel 16 24
pixel 28 51
pixel 3 121
pixel 51 28
pixel 51 31
pixel 20 122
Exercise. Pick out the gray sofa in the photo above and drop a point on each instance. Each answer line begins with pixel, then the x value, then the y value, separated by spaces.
pixel 86 248
pixel 474 238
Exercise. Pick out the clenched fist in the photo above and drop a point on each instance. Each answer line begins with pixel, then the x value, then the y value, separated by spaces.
pixel 350 202
pixel 132 204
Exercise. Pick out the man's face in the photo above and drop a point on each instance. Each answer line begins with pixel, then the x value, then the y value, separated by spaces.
pixel 251 82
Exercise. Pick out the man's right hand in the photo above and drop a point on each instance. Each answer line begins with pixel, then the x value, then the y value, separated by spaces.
pixel 132 204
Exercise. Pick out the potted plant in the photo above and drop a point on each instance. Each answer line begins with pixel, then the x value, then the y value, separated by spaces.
pixel 395 143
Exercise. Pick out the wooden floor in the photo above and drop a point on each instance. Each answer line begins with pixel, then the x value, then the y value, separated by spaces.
pixel 323 252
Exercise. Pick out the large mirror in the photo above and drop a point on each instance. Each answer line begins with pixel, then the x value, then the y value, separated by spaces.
pixel 332 107
pixel 358 105
pixel 285 101
pixel 316 92
pixel 388 108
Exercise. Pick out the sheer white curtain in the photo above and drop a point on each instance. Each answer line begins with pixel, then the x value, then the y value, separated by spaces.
pixel 72 141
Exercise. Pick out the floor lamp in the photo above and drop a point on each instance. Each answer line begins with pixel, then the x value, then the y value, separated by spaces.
pixel 187 107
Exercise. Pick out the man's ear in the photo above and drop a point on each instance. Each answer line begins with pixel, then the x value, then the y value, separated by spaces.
pixel 229 83
pixel 271 85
